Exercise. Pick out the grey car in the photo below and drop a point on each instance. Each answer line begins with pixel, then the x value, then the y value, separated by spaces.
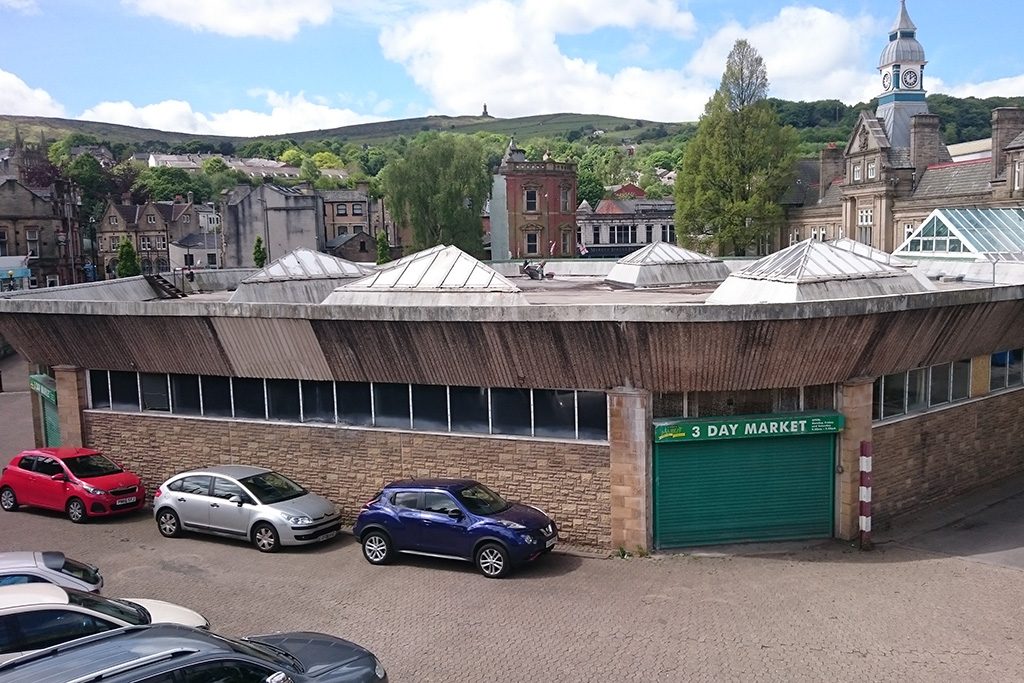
pixel 48 566
pixel 244 502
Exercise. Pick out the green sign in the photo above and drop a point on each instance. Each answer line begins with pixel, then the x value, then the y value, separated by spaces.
pixel 747 427
pixel 44 386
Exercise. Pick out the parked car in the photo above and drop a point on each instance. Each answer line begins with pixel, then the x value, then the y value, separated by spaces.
pixel 81 482
pixel 453 518
pixel 19 567
pixel 244 502
pixel 168 653
pixel 40 615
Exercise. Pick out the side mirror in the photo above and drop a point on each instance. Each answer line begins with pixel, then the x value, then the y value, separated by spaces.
pixel 59 477
pixel 237 500
pixel 279 677
pixel 455 513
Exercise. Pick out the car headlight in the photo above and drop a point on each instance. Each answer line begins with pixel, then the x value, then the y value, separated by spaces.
pixel 93 490
pixel 528 538
pixel 511 525
pixel 378 669
pixel 296 520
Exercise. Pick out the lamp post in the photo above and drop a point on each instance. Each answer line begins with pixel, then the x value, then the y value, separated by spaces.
pixel 10 281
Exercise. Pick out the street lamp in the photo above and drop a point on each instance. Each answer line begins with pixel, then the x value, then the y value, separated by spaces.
pixel 10 281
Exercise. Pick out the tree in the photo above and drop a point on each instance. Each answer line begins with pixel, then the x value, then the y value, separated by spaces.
pixel 293 156
pixel 739 164
pixel 438 189
pixel 127 259
pixel 383 247
pixel 214 165
pixel 589 188
pixel 164 183
pixel 327 160
pixel 309 171
pixel 259 253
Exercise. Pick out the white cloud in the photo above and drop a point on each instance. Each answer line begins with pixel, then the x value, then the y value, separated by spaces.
pixel 26 6
pixel 1001 87
pixel 288 114
pixel 17 97
pixel 506 54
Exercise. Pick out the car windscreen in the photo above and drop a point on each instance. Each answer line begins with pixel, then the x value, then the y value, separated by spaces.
pixel 480 500
pixel 118 609
pixel 272 487
pixel 96 465
pixel 65 565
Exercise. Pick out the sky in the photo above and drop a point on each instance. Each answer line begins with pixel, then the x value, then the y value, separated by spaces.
pixel 258 67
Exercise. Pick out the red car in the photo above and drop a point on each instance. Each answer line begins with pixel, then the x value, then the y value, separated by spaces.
pixel 80 481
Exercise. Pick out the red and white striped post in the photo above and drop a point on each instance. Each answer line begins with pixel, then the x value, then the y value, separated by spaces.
pixel 865 496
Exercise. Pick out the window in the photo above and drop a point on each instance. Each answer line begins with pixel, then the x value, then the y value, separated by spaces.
pixel 865 222
pixel 406 499
pixel 223 671
pixel 510 411
pixel 354 403
pixel 99 389
pixel 894 395
pixel 161 242
pixel 112 220
pixel 668 233
pixel 566 242
pixel 531 243
pixel 190 260
pixel 48 467
pixel 211 259
pixel 1018 175
pixel 124 391
pixel 146 243
pixel 1006 369
pixel 3 243
pixel 563 200
pixel 362 246
pixel 357 209
pixel 44 628
pixel 649 233
pixel 554 413
pixel 597 235
pixel 430 407
pixel 437 502
pixel 225 488
pixel 216 393
pixel 185 395
pixel 32 242
pixel 317 401
pixel 468 409
pixel 865 216
pixel 283 399
pixel 341 210
pixel 940 379
pixel 18 580
pixel 196 485
pixel 794 237
pixel 856 172
pixel 908 230
pixel 186 219
pixel 249 399
pixel 531 200
pixel 155 393
pixel 622 234
pixel 147 266
pixel 871 170
pixel 391 405
pixel 961 388
pixel 918 389
pixel 151 219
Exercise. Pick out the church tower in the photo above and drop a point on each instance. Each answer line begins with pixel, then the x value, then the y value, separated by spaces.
pixel 902 68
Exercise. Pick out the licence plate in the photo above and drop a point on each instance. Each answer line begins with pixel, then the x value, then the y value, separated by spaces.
pixel 324 537
pixel 126 501
pixel 551 542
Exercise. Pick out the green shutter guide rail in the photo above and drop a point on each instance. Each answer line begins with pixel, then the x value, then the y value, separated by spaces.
pixel 747 427
pixel 44 386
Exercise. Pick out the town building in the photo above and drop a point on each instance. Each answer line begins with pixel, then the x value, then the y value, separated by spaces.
pixel 153 228
pixel 285 218
pixel 617 227
pixel 42 225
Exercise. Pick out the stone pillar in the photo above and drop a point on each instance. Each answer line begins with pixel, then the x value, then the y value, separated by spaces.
pixel 71 400
pixel 630 436
pixel 981 375
pixel 37 420
pixel 855 404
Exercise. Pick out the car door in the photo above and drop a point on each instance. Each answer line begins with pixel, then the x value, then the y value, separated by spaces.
pixel 227 517
pixel 442 533
pixel 50 493
pixel 40 628
pixel 22 479
pixel 191 496
pixel 406 527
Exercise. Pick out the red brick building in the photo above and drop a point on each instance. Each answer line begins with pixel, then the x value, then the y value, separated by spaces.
pixel 541 204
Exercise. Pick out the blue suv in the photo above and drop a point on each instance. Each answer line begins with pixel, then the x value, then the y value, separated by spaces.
pixel 458 519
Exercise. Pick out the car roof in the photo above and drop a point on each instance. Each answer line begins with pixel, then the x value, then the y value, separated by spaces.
pixel 117 648
pixel 17 559
pixel 236 471
pixel 28 594
pixel 445 484
pixel 62 452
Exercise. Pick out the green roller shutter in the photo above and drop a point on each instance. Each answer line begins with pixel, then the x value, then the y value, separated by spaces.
pixel 51 422
pixel 737 490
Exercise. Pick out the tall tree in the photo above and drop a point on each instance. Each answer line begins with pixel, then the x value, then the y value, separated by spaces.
pixel 383 248
pixel 740 163
pixel 439 189
pixel 127 259
pixel 259 253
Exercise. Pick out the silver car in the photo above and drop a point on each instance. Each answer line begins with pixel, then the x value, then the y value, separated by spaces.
pixel 251 503
pixel 48 566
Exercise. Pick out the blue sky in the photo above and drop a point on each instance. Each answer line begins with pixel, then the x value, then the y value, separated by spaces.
pixel 250 67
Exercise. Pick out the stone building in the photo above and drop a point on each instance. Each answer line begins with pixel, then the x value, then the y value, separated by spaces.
pixel 617 227
pixel 286 218
pixel 152 228
pixel 895 169
pixel 42 225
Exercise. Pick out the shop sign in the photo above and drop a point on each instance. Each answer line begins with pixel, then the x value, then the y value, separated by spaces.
pixel 747 427
pixel 44 386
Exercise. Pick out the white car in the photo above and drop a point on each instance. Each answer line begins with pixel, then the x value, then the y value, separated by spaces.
pixel 48 566
pixel 39 615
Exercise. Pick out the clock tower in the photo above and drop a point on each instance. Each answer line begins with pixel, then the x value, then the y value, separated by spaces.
pixel 902 68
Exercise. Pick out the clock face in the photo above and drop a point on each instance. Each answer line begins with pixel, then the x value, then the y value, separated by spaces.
pixel 886 80
pixel 910 78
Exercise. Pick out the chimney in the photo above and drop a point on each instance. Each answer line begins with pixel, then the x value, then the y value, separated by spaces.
pixel 831 167
pixel 1007 123
pixel 925 143
pixel 189 195
pixel 177 199
pixel 126 198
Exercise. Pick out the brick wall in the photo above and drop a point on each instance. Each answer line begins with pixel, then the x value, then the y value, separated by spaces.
pixel 568 480
pixel 939 455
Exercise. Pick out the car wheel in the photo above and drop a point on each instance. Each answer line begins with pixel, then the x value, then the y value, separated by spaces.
pixel 167 523
pixel 8 501
pixel 492 561
pixel 76 511
pixel 265 538
pixel 377 547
